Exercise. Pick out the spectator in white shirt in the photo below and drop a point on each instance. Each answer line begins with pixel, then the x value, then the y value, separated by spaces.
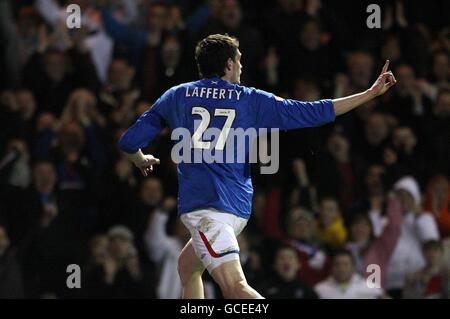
pixel 345 282
pixel 164 249
pixel 417 228
pixel 97 41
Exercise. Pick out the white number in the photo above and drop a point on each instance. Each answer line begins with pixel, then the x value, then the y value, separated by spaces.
pixel 197 137
pixel 230 114
pixel 206 119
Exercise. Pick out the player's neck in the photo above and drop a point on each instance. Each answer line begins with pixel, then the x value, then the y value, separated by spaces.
pixel 227 78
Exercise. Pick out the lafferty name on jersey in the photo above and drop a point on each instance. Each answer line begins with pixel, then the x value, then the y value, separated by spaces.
pixel 213 93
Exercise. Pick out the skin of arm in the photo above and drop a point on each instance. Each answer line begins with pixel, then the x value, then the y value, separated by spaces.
pixel 385 80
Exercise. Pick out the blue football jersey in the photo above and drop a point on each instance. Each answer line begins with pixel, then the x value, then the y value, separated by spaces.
pixel 215 103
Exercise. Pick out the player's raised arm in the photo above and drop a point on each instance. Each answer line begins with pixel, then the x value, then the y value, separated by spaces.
pixel 275 112
pixel 385 80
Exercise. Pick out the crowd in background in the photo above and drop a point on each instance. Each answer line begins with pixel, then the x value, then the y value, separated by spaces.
pixel 370 189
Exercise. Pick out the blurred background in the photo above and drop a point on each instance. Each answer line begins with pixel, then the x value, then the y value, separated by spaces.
pixel 370 188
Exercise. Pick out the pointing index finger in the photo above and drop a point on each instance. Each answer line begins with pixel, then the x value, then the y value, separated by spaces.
pixel 385 67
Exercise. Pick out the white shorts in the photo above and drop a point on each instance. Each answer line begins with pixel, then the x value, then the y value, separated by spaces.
pixel 214 235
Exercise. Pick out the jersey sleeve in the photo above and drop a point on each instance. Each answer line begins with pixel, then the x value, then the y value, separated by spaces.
pixel 148 125
pixel 286 114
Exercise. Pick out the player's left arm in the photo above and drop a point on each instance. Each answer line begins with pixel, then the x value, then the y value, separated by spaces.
pixel 385 80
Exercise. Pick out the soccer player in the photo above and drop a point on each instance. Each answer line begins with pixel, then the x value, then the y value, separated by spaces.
pixel 214 199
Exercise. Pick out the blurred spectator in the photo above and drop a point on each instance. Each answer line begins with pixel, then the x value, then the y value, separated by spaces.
pixel 437 134
pixel 437 201
pixel 374 198
pixel 31 207
pixel 433 280
pixel 143 46
pixel 45 186
pixel 285 283
pixel 441 71
pixel 27 107
pixel 52 73
pixel 306 90
pixel 44 138
pixel 173 67
pixel 308 57
pixel 301 232
pixel 377 132
pixel 251 260
pixel 417 227
pixel 17 112
pixel 98 251
pixel 11 286
pixel 336 175
pixel 48 221
pixel 150 198
pixel 360 66
pixel 118 94
pixel 330 225
pixel 19 172
pixel 255 229
pixel 73 168
pixel 304 194
pixel 439 77
pixel 367 249
pixel 407 155
pixel 20 38
pixel 164 249
pixel 117 272
pixel 229 20
pixel 408 102
pixel 391 49
pixel 91 35
pixel 125 11
pixel 344 282
pixel 118 195
pixel 81 109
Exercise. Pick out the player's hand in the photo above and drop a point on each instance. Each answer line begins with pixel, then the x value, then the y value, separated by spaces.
pixel 146 166
pixel 385 81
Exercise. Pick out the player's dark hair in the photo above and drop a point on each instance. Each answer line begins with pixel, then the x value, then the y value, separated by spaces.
pixel 212 54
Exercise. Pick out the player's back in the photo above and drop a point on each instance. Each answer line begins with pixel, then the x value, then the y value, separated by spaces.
pixel 215 122
pixel 216 172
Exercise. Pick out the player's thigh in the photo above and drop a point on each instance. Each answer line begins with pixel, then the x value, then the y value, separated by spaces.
pixel 229 274
pixel 188 262
pixel 213 238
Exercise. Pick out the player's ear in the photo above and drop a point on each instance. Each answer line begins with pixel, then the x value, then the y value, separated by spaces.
pixel 229 64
